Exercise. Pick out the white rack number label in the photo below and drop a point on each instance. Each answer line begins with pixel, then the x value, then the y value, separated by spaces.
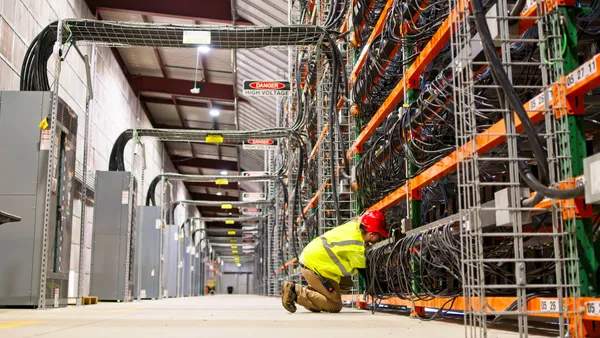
pixel 540 100
pixel 592 308
pixel 549 305
pixel 528 5
pixel 581 73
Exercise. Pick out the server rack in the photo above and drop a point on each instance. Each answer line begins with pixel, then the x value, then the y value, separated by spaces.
pixel 113 240
pixel 22 192
pixel 147 261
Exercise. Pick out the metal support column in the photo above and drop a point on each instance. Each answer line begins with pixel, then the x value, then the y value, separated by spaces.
pixel 49 175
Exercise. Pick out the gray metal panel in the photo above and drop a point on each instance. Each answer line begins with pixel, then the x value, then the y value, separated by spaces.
pixel 591 171
pixel 187 265
pixel 22 192
pixel 20 115
pixel 109 241
pixel 170 263
pixel 148 252
pixel 19 136
pixel 17 248
pixel 195 268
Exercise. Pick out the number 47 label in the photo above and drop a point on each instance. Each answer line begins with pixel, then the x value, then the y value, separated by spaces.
pixel 581 73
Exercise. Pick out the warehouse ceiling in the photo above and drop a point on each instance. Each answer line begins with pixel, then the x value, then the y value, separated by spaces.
pixel 163 77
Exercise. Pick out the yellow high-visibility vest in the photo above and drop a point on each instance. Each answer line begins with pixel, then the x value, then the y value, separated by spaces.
pixel 336 253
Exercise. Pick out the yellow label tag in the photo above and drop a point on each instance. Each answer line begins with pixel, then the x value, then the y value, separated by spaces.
pixel 229 221
pixel 226 206
pixel 44 123
pixel 214 138
pixel 234 251
pixel 221 181
pixel 234 246
pixel 231 232
pixel 233 241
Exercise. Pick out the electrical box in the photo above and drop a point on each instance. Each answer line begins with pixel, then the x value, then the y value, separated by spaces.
pixel 186 273
pixel 113 253
pixel 147 262
pixel 591 172
pixel 344 187
pixel 197 278
pixel 171 260
pixel 502 201
pixel 24 157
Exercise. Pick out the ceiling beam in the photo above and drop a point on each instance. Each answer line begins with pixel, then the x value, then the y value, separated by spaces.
pixel 216 11
pixel 178 87
pixel 179 113
pixel 168 126
pixel 204 105
pixel 203 163
pixel 211 197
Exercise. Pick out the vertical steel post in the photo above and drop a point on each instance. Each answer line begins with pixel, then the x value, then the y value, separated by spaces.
pixel 88 100
pixel 49 175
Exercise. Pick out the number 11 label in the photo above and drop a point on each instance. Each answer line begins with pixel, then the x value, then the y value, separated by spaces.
pixel 581 73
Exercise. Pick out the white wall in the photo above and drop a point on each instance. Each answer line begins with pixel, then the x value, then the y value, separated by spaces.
pixel 243 283
pixel 241 278
pixel 115 107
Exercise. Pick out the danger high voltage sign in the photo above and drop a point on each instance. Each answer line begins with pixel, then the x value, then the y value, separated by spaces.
pixel 266 88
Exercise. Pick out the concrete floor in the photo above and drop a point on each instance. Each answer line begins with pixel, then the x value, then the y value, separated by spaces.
pixel 217 316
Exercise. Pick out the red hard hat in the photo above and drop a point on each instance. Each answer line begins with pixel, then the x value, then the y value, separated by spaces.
pixel 374 221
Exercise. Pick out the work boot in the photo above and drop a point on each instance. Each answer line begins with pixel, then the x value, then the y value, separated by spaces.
pixel 288 296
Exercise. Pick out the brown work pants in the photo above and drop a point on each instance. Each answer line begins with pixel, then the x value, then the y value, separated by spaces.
pixel 315 297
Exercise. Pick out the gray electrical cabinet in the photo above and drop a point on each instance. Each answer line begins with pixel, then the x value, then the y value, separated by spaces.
pixel 24 150
pixel 147 263
pixel 111 273
pixel 199 269
pixel 186 274
pixel 171 260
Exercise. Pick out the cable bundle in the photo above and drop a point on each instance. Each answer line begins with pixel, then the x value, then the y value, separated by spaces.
pixel 427 264
pixel 366 13
pixel 34 74
pixel 386 58
pixel 424 132
pixel 419 266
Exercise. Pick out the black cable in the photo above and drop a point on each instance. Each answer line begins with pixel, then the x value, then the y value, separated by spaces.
pixel 151 194
pixel 515 102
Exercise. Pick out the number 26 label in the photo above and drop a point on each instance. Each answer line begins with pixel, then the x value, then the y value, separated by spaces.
pixel 549 305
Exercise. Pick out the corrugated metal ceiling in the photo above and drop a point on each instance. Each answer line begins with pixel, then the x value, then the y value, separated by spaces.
pixel 215 67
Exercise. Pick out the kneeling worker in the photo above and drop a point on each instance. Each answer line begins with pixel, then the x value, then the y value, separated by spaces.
pixel 329 261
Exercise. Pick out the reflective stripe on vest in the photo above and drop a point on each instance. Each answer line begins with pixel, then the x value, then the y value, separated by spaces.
pixel 332 255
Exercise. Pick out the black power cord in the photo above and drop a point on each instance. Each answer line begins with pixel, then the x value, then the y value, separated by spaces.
pixel 501 77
